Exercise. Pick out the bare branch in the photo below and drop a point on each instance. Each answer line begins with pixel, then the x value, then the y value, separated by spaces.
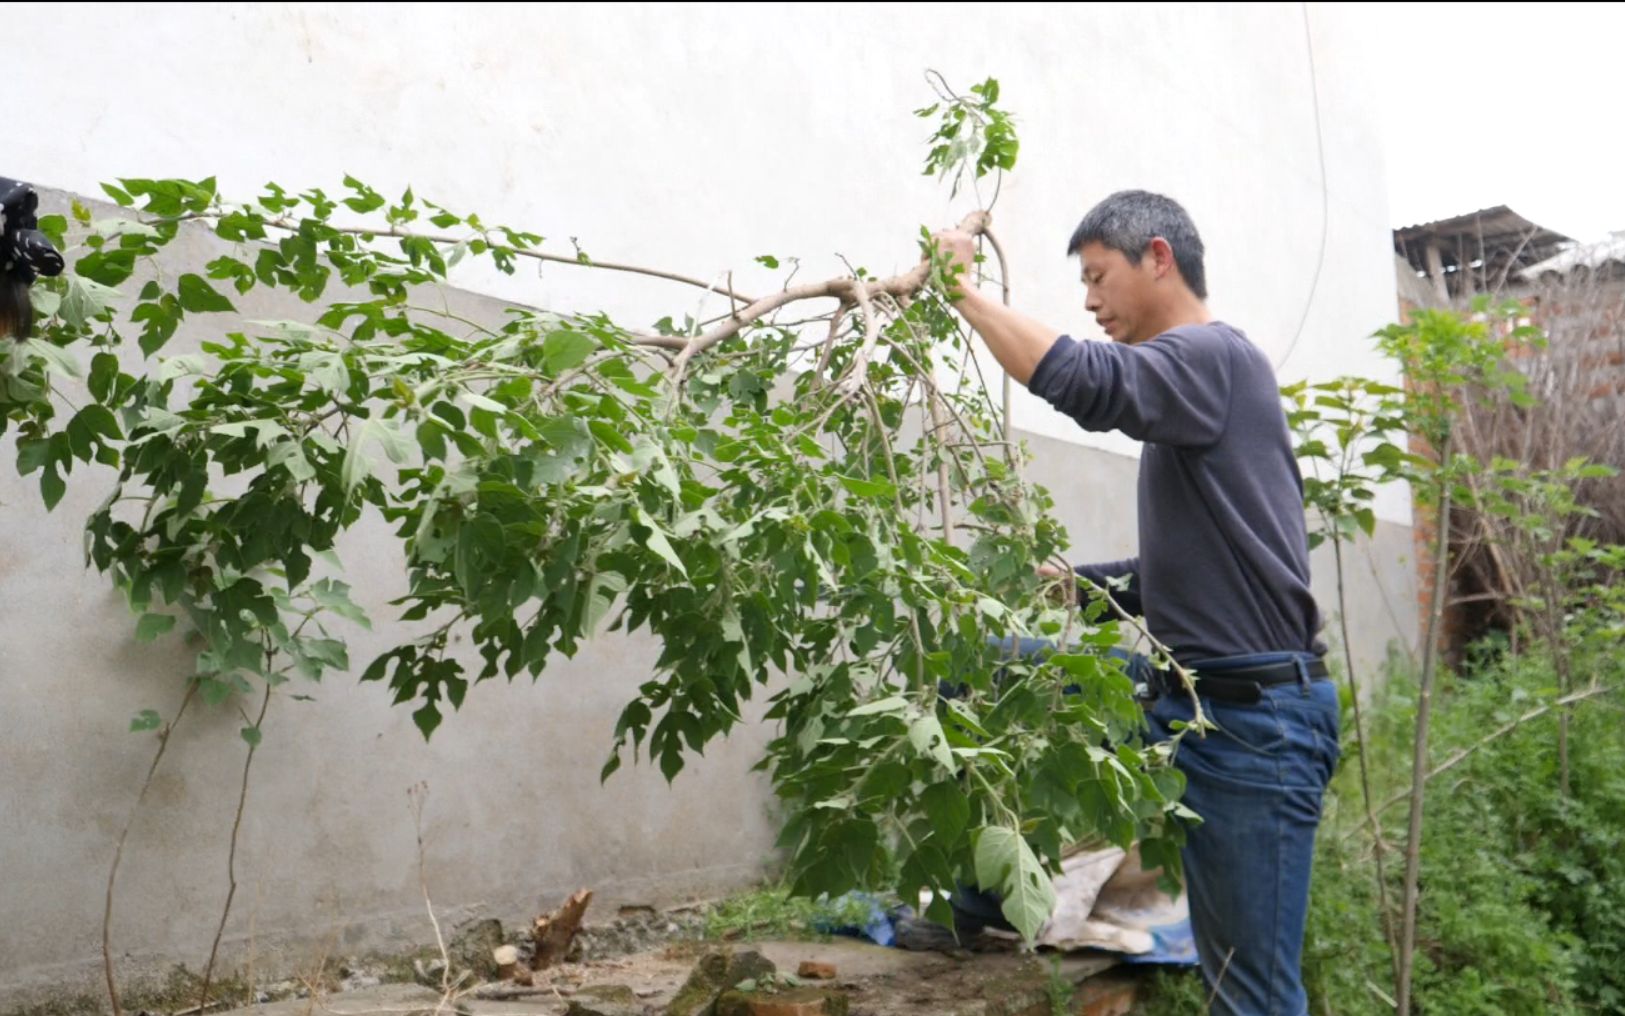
pixel 857 373
pixel 906 284
pixel 523 252
pixel 118 851
pixel 231 857
pixel 828 348
pixel 1006 387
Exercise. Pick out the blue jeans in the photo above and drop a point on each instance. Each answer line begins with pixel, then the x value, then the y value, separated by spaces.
pixel 1257 783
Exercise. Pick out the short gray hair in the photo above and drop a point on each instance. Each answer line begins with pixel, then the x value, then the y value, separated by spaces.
pixel 1129 220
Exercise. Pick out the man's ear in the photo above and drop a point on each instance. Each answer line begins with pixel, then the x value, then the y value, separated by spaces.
pixel 1161 254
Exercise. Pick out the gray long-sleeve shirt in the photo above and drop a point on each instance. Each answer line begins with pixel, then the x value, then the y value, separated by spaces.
pixel 1224 554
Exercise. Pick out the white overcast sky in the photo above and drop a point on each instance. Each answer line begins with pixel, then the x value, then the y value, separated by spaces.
pixel 1521 104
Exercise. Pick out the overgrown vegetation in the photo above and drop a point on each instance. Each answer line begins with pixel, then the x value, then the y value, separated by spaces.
pixel 772 912
pixel 1521 907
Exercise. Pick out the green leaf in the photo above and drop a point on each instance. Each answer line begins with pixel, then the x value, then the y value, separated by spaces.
pixel 1367 520
pixel 396 445
pixel 996 856
pixel 335 596
pixel 60 360
pixel 153 625
pixel 886 782
pixel 92 425
pixel 251 735
pixel 659 544
pixel 1004 861
pixel 896 704
pixel 610 436
pixel 55 228
pixel 198 297
pixel 427 719
pixel 564 350
pixel 966 717
pixel 291 454
pixel 52 487
pixel 146 719
pixel 329 372
pixel 46 303
pixel 329 652
pixel 925 733
pixel 368 200
pixel 104 374
pixel 159 320
pixel 85 301
pixel 671 763
pixel 479 401
pixel 869 488
pixel 32 455
pixel 358 464
pixel 948 809
pixel 171 367
pixel 265 431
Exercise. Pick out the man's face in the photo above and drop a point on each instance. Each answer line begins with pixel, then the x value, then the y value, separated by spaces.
pixel 1119 293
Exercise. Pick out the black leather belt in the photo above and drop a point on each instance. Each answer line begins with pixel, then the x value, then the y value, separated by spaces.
pixel 1246 684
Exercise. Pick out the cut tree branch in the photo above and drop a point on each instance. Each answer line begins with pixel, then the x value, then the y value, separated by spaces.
pixel 859 369
pixel 451 241
pixel 906 284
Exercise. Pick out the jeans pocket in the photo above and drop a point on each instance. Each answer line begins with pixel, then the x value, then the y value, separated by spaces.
pixel 1257 728
pixel 1328 739
pixel 1330 752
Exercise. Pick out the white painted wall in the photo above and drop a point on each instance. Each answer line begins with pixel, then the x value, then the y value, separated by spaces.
pixel 690 137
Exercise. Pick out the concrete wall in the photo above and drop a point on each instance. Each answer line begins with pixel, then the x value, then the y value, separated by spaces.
pixel 514 817
pixel 688 137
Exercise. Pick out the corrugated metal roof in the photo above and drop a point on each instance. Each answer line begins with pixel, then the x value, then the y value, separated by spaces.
pixel 1495 225
pixel 1491 242
pixel 1589 255
pixel 1499 219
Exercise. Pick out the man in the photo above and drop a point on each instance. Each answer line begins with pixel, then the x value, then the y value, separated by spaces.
pixel 1222 577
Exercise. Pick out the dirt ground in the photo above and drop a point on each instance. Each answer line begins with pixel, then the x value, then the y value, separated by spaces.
pixel 877 981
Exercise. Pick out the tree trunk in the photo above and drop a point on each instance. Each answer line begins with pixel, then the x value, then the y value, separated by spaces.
pixel 1424 705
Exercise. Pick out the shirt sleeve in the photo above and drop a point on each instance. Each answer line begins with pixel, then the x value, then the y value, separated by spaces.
pixel 1172 390
pixel 1128 598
